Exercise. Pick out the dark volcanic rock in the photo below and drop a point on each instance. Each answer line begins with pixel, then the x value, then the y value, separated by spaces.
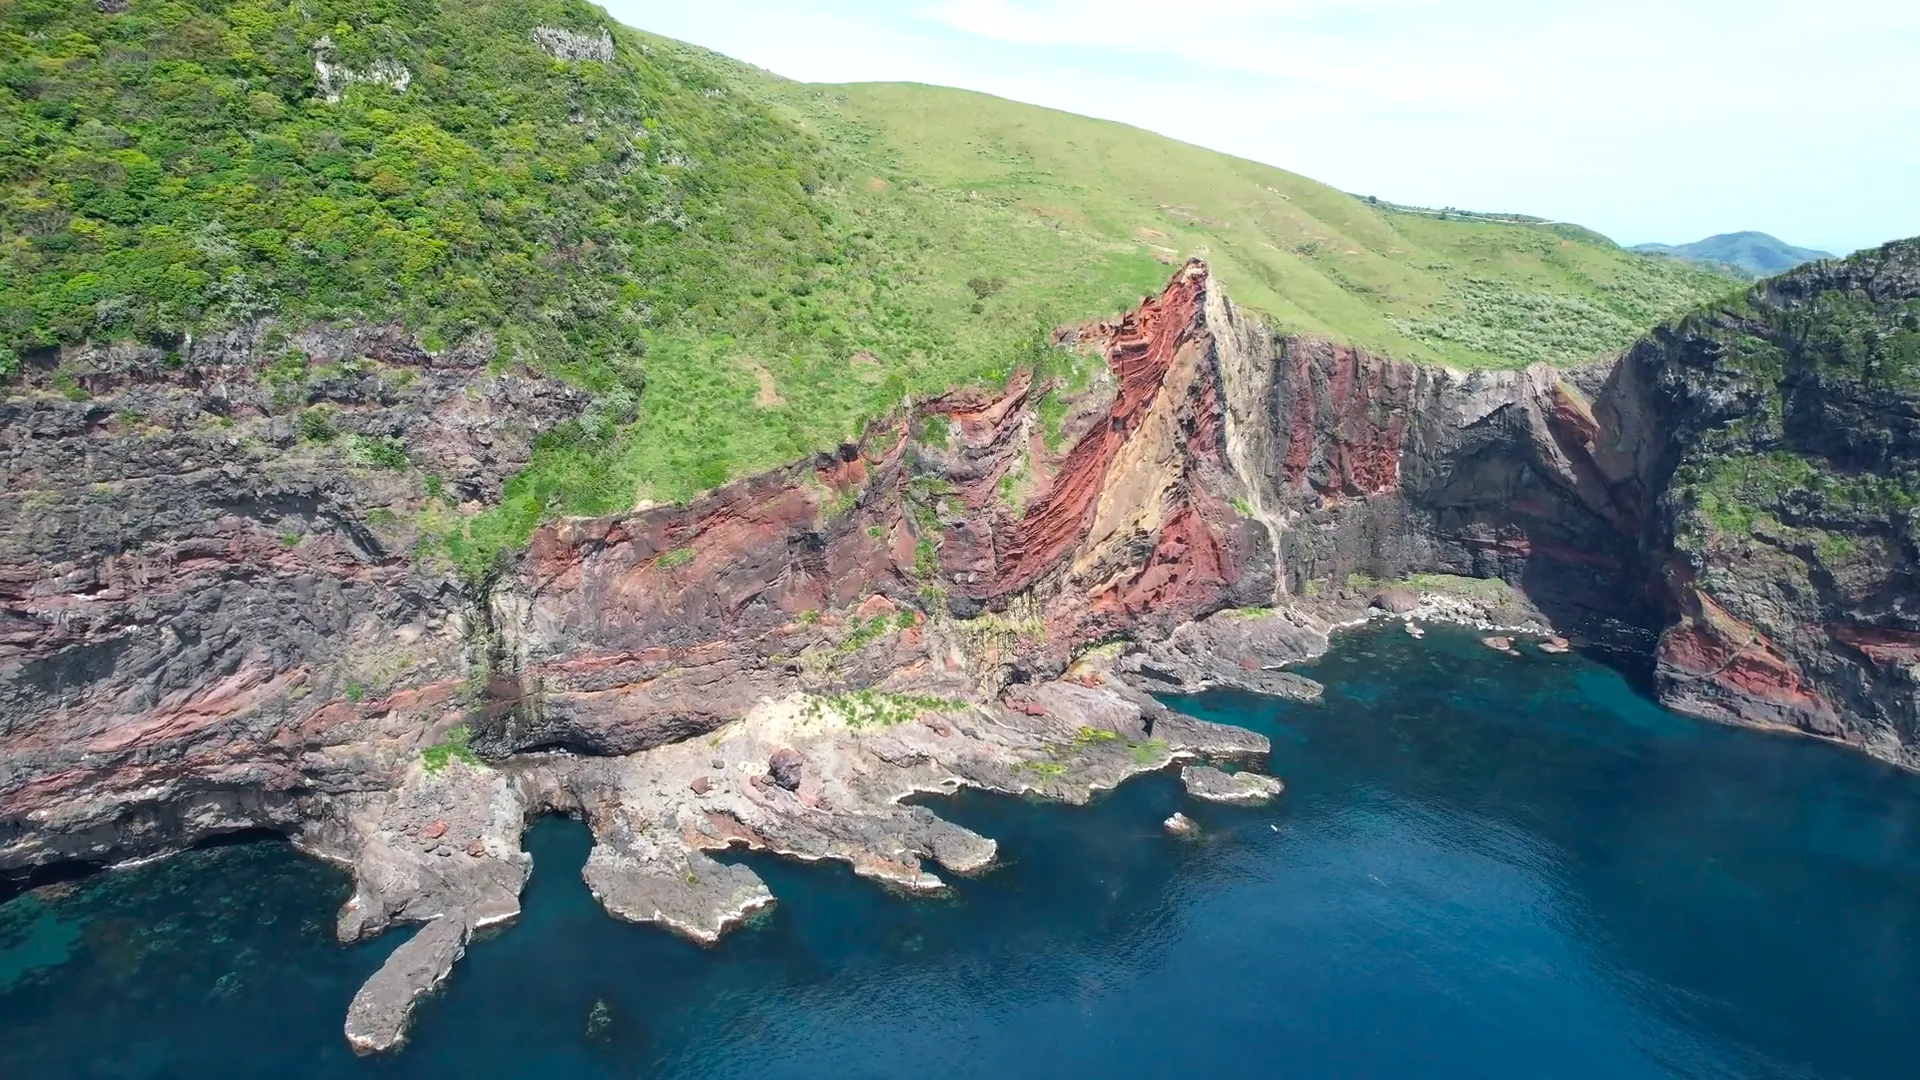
pixel 784 769
pixel 1396 601
pixel 210 610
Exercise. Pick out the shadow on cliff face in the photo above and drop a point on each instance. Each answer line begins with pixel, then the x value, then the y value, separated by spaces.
pixel 18 882
pixel 1611 616
pixel 14 883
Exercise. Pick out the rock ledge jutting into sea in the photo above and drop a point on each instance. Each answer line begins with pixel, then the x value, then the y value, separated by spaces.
pixel 1242 788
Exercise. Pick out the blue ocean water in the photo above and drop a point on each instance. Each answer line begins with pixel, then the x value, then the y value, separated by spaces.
pixel 1483 867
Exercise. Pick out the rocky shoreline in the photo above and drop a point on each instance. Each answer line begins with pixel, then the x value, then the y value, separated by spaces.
pixel 793 780
pixel 211 622
pixel 808 780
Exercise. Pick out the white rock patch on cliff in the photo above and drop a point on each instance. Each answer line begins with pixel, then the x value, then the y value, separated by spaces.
pixel 334 79
pixel 569 45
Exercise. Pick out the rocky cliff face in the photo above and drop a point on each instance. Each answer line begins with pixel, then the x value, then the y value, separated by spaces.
pixel 1778 450
pixel 1742 484
pixel 209 623
pixel 196 556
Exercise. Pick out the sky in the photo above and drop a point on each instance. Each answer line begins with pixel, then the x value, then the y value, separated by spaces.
pixel 1649 120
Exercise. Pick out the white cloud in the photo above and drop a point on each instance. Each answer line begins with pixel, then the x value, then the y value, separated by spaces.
pixel 1647 119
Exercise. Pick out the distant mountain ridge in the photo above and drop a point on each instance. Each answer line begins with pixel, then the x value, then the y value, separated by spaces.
pixel 1752 253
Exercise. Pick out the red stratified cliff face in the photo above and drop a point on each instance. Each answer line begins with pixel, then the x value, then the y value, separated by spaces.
pixel 628 632
pixel 1348 416
pixel 1714 664
pixel 1140 351
pixel 222 645
pixel 1137 520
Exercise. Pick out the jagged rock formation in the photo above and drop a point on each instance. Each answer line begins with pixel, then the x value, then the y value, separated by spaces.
pixel 1784 467
pixel 964 597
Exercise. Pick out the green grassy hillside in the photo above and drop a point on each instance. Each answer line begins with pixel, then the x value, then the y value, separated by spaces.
pixel 743 269
pixel 1023 193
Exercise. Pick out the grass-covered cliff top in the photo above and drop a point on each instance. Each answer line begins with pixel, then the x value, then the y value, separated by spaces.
pixel 761 265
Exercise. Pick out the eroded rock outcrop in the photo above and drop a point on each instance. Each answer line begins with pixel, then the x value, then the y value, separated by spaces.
pixel 1234 788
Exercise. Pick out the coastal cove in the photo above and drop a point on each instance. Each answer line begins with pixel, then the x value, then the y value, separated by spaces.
pixel 1483 865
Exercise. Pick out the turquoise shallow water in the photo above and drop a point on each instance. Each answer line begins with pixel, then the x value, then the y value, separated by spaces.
pixel 1483 867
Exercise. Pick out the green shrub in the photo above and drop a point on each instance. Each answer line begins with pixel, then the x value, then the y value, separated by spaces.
pixel 865 634
pixel 64 383
pixel 316 425
pixel 936 431
pixel 1146 753
pixel 386 452
pixel 1052 411
pixel 452 747
pixel 873 708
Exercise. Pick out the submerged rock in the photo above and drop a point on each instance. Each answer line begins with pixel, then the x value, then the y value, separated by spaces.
pixel 1241 788
pixel 599 1020
pixel 1179 825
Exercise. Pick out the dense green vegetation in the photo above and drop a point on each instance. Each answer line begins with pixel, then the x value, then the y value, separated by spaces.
pixel 173 167
pixel 741 270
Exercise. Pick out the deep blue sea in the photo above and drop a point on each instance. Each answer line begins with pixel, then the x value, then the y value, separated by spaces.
pixel 1483 867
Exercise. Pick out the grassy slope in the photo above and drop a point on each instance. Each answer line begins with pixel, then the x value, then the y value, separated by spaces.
pixel 1026 193
pixel 777 263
